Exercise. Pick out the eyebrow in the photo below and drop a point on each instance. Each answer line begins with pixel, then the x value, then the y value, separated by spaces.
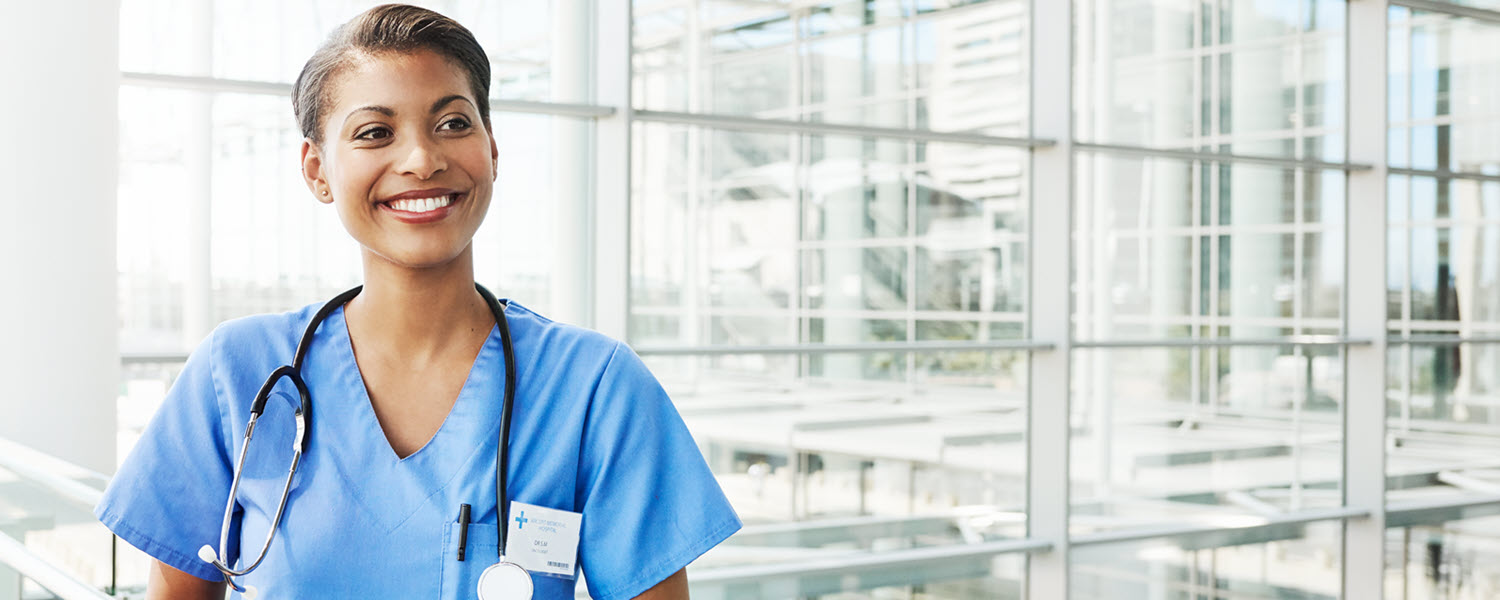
pixel 389 112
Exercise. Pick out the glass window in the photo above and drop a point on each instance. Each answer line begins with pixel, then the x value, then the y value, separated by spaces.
pixel 1247 77
pixel 748 238
pixel 1440 558
pixel 1257 563
pixel 1445 99
pixel 886 63
pixel 270 41
pixel 273 247
pixel 1170 248
pixel 1204 435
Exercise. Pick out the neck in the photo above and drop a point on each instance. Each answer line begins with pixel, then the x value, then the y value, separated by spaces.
pixel 418 313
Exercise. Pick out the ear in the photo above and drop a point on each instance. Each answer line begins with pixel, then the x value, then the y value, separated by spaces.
pixel 494 159
pixel 312 172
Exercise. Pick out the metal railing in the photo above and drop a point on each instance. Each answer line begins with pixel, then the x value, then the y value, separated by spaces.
pixel 15 555
pixel 66 480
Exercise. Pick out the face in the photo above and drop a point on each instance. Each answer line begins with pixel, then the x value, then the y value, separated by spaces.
pixel 405 159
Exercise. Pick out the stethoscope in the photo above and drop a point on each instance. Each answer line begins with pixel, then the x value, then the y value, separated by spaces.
pixel 504 580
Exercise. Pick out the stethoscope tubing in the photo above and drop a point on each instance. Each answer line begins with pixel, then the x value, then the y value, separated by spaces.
pixel 304 412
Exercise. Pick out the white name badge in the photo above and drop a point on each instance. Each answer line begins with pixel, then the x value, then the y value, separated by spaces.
pixel 543 540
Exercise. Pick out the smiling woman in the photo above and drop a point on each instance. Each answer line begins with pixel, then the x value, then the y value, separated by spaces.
pixel 402 135
pixel 398 394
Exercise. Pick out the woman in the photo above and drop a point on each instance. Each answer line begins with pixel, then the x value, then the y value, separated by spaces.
pixel 396 494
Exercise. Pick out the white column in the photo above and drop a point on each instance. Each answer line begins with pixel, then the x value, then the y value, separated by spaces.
pixel 572 224
pixel 1365 308
pixel 197 286
pixel 611 184
pixel 1050 303
pixel 843 210
pixel 1255 197
pixel 58 329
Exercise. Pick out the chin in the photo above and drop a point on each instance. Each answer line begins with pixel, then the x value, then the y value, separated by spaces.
pixel 421 257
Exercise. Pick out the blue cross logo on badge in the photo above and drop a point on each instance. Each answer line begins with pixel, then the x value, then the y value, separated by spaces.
pixel 521 520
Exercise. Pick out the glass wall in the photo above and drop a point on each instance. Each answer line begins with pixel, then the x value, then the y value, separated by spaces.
pixel 215 221
pixel 1443 278
pixel 210 186
pixel 831 256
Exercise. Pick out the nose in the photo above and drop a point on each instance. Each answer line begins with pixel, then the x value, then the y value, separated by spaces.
pixel 423 159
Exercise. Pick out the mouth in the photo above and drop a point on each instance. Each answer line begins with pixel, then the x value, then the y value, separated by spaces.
pixel 422 207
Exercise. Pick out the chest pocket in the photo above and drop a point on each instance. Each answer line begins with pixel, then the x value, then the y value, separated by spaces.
pixel 461 579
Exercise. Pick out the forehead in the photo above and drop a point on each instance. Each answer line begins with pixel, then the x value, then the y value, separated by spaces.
pixel 397 81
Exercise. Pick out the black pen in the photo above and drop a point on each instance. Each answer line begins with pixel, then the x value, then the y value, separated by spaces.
pixel 463 530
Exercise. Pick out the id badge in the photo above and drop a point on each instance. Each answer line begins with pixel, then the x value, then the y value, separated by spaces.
pixel 543 540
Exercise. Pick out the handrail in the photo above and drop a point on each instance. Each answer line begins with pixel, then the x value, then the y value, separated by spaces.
pixel 151 358
pixel 1442 340
pixel 33 567
pixel 1451 9
pixel 43 469
pixel 1296 340
pixel 1218 157
pixel 1147 533
pixel 1426 511
pixel 862 561
pixel 932 346
pixel 800 349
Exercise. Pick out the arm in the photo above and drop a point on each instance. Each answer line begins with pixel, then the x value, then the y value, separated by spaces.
pixel 674 587
pixel 168 583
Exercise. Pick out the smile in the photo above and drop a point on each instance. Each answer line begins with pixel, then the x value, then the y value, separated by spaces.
pixel 428 207
pixel 422 205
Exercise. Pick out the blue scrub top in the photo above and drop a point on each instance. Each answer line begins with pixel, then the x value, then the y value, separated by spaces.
pixel 592 432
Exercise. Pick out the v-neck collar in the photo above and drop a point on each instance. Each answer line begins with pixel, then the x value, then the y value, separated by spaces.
pixel 392 489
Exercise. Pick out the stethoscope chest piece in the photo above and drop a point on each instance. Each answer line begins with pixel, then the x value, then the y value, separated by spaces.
pixel 505 580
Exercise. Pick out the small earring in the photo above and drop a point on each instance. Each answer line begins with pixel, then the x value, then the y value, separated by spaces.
pixel 325 192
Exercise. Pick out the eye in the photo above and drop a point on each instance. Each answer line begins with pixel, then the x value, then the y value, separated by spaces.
pixel 455 124
pixel 373 133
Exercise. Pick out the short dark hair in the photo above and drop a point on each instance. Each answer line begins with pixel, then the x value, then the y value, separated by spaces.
pixel 387 28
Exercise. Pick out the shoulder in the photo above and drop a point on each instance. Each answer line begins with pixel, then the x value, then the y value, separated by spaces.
pixel 250 340
pixel 544 337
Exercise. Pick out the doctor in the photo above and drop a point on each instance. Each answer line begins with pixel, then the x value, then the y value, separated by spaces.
pixel 395 495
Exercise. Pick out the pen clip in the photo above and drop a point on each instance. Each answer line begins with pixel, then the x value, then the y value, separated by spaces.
pixel 463 530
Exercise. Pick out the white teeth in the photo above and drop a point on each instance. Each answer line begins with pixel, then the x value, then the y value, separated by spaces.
pixel 421 205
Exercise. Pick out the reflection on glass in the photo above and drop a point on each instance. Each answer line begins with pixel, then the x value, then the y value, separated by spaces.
pixel 1270 563
pixel 1442 561
pixel 881 63
pixel 62 532
pixel 1192 435
pixel 1455 274
pixel 727 224
pixel 257 40
pixel 1441 402
pixel 835 439
pixel 956 278
pixel 967 191
pixel 157 176
pixel 1166 246
pixel 1443 113
pixel 1251 77
pixel 843 279
pixel 750 84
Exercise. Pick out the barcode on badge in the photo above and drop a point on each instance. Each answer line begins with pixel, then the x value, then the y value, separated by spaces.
pixel 560 565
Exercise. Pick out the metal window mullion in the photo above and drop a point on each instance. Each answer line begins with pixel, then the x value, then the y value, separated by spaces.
pixel 1451 9
pixel 1050 304
pixel 1365 299
pixel 1443 174
pixel 748 123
